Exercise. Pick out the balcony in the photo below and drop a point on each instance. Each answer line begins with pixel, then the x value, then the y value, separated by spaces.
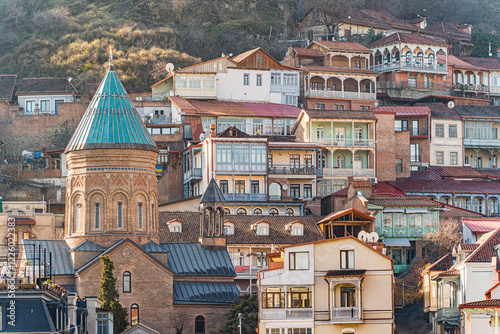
pixel 415 132
pixel 195 173
pixel 405 232
pixel 235 167
pixel 295 170
pixel 413 66
pixel 495 90
pixel 342 94
pixel 472 142
pixel 346 314
pixel 470 88
pixel 400 268
pixel 294 90
pixel 367 172
pixel 247 271
pixel 336 142
pixel 286 314
pixel 245 197
pixel 447 313
pixel 427 86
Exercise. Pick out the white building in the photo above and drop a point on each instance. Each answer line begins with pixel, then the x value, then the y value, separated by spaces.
pixel 446 148
pixel 44 94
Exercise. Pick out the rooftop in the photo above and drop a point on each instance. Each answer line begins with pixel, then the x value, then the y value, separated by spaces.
pixel 446 186
pixel 443 263
pixel 7 84
pixel 461 64
pixel 401 201
pixel 407 38
pixel 481 225
pixel 486 251
pixel 404 110
pixel 308 52
pixel 488 63
pixel 33 86
pixel 340 114
pixel 482 303
pixel 343 46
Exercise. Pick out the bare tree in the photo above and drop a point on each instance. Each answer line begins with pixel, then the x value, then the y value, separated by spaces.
pixel 331 13
pixel 178 319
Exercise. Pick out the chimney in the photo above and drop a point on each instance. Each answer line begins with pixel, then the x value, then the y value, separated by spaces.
pixel 212 130
pixel 72 298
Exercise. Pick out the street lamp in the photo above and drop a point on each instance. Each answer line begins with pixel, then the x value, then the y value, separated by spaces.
pixel 239 320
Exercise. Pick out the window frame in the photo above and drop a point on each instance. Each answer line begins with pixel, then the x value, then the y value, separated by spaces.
pixel 258 80
pixel 129 276
pixel 276 296
pixel 292 265
pixel 439 133
pixel 345 259
pixel 132 323
pixel 224 186
pixel 246 79
pixel 119 217
pixel 97 214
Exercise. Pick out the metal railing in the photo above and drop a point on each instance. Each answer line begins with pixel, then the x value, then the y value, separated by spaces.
pixel 470 87
pixel 447 312
pixel 481 142
pixel 421 131
pixel 399 268
pixel 404 232
pixel 345 142
pixel 195 172
pixel 245 197
pixel 345 313
pixel 296 170
pixel 342 94
pixel 431 86
pixel 418 66
pixel 286 314
pixel 370 172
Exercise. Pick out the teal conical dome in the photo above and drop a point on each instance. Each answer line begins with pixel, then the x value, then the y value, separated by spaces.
pixel 111 120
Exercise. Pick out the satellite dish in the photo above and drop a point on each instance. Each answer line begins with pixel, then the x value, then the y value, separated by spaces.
pixel 202 136
pixel 169 67
pixel 362 236
pixel 451 104
pixel 285 187
pixel 373 237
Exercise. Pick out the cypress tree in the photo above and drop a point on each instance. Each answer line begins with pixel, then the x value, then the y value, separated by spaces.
pixel 110 297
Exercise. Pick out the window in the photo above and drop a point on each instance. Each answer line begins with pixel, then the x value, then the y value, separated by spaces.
pixel 239 187
pixel 290 79
pixel 153 216
pixel 259 80
pixel 347 259
pixel 289 212
pixel 412 81
pixel 400 125
pixel 127 282
pixel 120 214
pixel 246 79
pixel 269 160
pixel 452 131
pixel 199 325
pixel 175 228
pixel 357 64
pixel 259 57
pixel 308 160
pixel 415 220
pixel 102 323
pixel 297 229
pixel 288 99
pixel 294 161
pixel 320 132
pixel 347 297
pixel 228 229
pixel 241 211
pixel 223 185
pixel 273 298
pixel 275 78
pixel 96 214
pixel 340 161
pixel 295 190
pixel 299 298
pixel 263 229
pixel 453 158
pixel 208 83
pixel 194 83
pixel 338 107
pixel 227 211
pixel 320 106
pixel 78 215
pixel 139 209
pixel 261 259
pixel 431 58
pixel 439 158
pixel 358 133
pixel 181 82
pixel 399 165
pixel 415 152
pixel 257 211
pixel 255 187
pixel 134 314
pixel 308 191
pixel 30 107
pixel 439 130
pixel 45 106
pixel 299 261
pixel 273 212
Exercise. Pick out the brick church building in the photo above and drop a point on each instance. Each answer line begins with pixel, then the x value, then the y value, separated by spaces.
pixel 112 208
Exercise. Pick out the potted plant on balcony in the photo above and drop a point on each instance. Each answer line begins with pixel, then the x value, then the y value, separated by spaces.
pixel 26 285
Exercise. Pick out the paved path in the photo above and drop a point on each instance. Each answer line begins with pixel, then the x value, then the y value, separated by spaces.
pixel 411 320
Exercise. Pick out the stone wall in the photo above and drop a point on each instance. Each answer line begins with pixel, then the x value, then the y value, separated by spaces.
pixel 385 168
pixel 170 184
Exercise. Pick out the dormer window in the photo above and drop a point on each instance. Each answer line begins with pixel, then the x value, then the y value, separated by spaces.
pixel 175 226
pixel 295 228
pixel 228 228
pixel 261 228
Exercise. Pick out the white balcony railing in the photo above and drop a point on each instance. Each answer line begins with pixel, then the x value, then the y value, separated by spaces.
pixel 414 66
pixel 341 94
pixel 286 314
pixel 345 142
pixel 245 197
pixel 367 172
pixel 345 314
pixel 481 142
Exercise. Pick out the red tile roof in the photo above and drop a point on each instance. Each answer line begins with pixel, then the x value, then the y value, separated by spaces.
pixel 446 186
pixel 459 63
pixel 308 52
pixel 436 173
pixel 468 247
pixel 407 38
pixel 402 201
pixel 181 102
pixel 482 225
pixel 339 70
pixel 24 221
pixel 242 56
pixel 486 251
pixel 482 303
pixel 343 46
pixel 443 263
pixel 488 293
pixel 405 111
pixel 489 63
pixel 390 19
pixel 381 189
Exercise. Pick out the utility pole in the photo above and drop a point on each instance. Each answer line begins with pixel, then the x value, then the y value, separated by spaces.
pixel 239 320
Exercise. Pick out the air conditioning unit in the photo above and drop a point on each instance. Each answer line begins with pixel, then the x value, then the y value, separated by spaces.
pixel 171 93
pixel 373 180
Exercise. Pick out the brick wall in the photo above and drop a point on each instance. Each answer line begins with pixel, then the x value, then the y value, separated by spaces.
pixel 170 184
pixel 330 104
pixel 385 164
pixel 403 152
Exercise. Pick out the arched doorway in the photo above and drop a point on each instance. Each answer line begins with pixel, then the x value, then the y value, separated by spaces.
pixel 275 191
pixel 199 325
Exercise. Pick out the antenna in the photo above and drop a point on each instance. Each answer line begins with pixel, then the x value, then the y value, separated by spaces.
pixel 451 104
pixel 373 237
pixel 363 236
pixel 202 136
pixel 169 67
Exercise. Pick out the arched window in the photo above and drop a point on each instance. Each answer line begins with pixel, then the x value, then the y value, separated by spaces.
pixel 340 161
pixel 289 212
pixel 134 314
pixel 127 282
pixel 78 215
pixel 420 58
pixel 408 57
pixel 241 211
pixel 139 213
pixel 227 211
pixel 396 56
pixel 199 325
pixel 358 133
pixel 273 212
pixel 299 298
pixel 97 214
pixel 320 132
pixel 431 58
pixel 257 211
pixel 275 191
pixel 273 298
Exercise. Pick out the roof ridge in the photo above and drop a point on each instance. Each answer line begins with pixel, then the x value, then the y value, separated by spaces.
pixel 481 246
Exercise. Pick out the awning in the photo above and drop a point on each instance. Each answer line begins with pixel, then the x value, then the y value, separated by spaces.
pixel 397 242
pixel 419 210
pixel 24 221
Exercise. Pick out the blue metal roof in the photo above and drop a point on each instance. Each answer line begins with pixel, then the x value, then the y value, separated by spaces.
pixel 111 120
pixel 32 315
pixel 61 257
pixel 205 293
pixel 192 259
pixel 153 247
pixel 89 246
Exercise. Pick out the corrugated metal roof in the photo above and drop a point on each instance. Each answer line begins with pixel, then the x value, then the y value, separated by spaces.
pixel 205 293
pixel 192 259
pixel 111 120
pixel 32 316
pixel 481 225
pixel 348 272
pixel 397 242
pixel 88 246
pixel 153 247
pixel 61 257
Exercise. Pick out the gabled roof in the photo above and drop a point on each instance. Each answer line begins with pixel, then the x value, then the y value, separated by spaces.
pixel 401 37
pixel 445 28
pixel 402 202
pixel 342 46
pixel 242 56
pixel 192 259
pixel 33 86
pixel 341 213
pixel 436 173
pixel 440 110
pixel 308 52
pixel 443 263
pixel 486 251
pixel 7 84
pixel 238 59
pixel 389 19
pixel 140 328
pixel 461 64
pixel 205 293
pixel 111 121
pixel 481 225
pixel 233 130
pixel 481 303
pixel 488 63
pixel 61 257
pixel 417 186
pixel 213 194
pixel 32 316
pixel 404 110
pixel 111 249
pixel 153 247
pixel 88 246
pixel 278 235
pixel 475 111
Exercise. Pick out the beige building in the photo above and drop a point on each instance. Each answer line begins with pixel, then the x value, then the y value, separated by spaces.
pixel 446 148
pixel 333 286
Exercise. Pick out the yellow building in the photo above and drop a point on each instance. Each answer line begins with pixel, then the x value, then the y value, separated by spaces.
pixel 340 285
